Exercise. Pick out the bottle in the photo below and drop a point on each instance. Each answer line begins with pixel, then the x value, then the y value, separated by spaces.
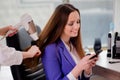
pixel 110 40
pixel 109 44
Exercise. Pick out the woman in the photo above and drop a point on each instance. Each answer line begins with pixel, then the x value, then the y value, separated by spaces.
pixel 60 41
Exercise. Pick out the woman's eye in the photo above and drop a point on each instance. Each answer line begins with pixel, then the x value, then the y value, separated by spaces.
pixel 78 21
pixel 70 24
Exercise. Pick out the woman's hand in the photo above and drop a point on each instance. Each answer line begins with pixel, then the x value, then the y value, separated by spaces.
pixel 91 64
pixel 85 64
pixel 85 61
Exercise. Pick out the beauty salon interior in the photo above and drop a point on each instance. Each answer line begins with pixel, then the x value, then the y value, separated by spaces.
pixel 99 19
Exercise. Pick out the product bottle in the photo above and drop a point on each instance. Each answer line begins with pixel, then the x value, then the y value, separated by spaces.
pixel 110 40
pixel 109 44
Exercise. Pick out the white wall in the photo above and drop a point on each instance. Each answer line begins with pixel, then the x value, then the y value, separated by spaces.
pixel 117 15
pixel 11 10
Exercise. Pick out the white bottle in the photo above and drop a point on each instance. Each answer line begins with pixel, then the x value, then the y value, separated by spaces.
pixel 110 40
pixel 109 45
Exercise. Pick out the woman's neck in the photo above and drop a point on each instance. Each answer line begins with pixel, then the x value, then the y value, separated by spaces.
pixel 66 41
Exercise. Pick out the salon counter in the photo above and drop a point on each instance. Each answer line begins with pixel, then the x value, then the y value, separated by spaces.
pixel 106 69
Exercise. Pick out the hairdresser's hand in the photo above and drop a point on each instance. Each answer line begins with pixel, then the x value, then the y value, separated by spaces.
pixel 33 51
pixel 4 30
pixel 13 29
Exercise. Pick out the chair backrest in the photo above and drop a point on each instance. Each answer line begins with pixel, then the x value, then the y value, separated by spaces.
pixel 21 41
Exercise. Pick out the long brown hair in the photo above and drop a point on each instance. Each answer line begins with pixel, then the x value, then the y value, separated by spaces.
pixel 54 28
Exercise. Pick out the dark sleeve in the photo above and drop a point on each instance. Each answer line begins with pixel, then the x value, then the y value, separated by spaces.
pixel 34 43
pixel 83 77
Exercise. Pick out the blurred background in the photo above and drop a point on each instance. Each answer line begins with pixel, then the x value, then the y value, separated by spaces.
pixel 96 17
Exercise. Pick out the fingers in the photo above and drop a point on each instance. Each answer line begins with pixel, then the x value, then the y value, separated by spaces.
pixel 13 30
pixel 92 62
pixel 87 62
pixel 12 27
pixel 36 50
pixel 38 53
pixel 11 34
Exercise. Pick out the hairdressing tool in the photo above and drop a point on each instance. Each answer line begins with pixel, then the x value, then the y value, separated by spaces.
pixel 29 25
pixel 26 22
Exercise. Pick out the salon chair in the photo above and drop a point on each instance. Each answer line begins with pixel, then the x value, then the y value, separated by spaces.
pixel 21 41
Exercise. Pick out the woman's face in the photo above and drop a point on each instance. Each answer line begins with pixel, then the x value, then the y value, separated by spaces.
pixel 73 24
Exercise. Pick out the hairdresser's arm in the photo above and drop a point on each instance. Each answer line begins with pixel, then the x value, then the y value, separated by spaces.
pixel 9 56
